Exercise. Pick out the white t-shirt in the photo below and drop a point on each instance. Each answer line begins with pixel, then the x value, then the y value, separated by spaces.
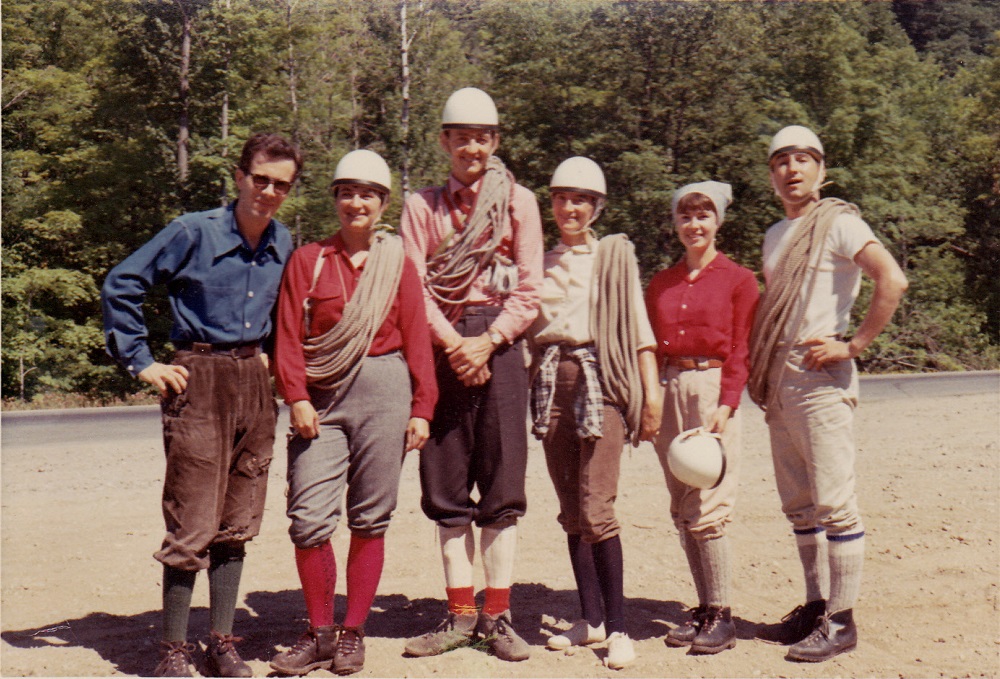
pixel 838 280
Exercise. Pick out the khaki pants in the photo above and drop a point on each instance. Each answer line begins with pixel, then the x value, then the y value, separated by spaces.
pixel 812 445
pixel 690 398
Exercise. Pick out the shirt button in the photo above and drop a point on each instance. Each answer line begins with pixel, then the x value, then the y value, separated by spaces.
pixel 247 325
pixel 680 333
pixel 131 368
pixel 683 306
pixel 253 263
pixel 250 294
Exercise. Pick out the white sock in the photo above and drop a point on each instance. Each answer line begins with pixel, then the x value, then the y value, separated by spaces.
pixel 498 547
pixel 815 559
pixel 458 550
pixel 846 560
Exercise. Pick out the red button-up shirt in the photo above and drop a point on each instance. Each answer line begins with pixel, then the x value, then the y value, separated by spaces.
pixel 405 328
pixel 709 316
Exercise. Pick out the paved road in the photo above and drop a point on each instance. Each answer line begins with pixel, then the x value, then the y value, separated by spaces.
pixel 25 429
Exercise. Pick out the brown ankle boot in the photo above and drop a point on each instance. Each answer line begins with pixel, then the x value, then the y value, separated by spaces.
pixel 350 655
pixel 222 659
pixel 717 631
pixel 314 650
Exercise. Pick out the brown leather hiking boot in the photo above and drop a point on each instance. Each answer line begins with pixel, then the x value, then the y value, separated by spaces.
pixel 796 625
pixel 684 634
pixel 499 635
pixel 834 634
pixel 222 659
pixel 717 632
pixel 175 657
pixel 454 632
pixel 350 655
pixel 314 650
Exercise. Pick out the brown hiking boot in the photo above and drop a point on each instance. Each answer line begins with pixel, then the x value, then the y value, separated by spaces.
pixel 717 631
pixel 222 659
pixel 796 625
pixel 314 650
pixel 174 659
pixel 350 655
pixel 834 634
pixel 684 634
pixel 500 636
pixel 454 632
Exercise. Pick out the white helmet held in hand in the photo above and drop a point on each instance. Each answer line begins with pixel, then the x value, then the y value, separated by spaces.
pixel 470 107
pixel 363 167
pixel 697 458
pixel 579 174
pixel 796 138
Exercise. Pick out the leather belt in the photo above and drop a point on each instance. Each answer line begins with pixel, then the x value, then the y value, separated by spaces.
pixel 233 350
pixel 693 362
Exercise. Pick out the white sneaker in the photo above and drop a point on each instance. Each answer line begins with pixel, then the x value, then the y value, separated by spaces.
pixel 620 651
pixel 580 634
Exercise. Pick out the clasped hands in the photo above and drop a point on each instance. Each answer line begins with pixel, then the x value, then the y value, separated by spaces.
pixel 468 357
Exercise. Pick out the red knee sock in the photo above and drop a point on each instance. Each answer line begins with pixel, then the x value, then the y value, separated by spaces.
pixel 461 600
pixel 318 574
pixel 497 600
pixel 364 570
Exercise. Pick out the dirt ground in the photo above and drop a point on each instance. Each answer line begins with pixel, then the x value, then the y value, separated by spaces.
pixel 81 592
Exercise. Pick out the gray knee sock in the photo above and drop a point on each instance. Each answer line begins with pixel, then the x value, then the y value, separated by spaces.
pixel 178 586
pixel 694 563
pixel 846 560
pixel 717 569
pixel 815 563
pixel 224 576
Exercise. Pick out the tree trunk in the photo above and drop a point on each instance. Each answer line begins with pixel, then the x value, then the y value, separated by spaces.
pixel 404 118
pixel 293 97
pixel 183 132
pixel 224 114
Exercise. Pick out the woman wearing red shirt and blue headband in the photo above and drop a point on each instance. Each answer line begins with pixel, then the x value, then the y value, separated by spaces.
pixel 595 387
pixel 351 332
pixel 702 310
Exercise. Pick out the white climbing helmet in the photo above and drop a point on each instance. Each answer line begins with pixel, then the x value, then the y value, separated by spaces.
pixel 579 174
pixel 363 167
pixel 470 107
pixel 697 458
pixel 796 138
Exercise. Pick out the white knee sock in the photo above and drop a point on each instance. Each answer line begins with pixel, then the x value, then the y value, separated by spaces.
pixel 813 553
pixel 458 550
pixel 846 561
pixel 498 547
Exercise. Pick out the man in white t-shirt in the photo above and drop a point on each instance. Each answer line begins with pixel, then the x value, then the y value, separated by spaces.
pixel 803 375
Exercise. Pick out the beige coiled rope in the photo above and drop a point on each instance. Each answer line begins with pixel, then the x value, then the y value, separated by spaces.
pixel 333 359
pixel 615 328
pixel 780 302
pixel 462 256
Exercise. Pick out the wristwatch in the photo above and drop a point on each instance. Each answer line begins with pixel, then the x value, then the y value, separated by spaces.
pixel 496 337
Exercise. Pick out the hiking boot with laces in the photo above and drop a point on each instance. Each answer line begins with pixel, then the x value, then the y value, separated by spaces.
pixel 222 659
pixel 454 632
pixel 717 631
pixel 314 650
pixel 684 634
pixel 796 625
pixel 499 635
pixel 350 655
pixel 174 659
pixel 834 634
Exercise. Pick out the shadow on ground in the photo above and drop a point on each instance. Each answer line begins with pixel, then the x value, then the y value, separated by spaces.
pixel 270 619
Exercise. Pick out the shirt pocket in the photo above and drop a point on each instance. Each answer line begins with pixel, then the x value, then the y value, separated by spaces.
pixel 213 305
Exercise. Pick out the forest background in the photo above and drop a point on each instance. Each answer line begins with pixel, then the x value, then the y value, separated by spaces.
pixel 119 115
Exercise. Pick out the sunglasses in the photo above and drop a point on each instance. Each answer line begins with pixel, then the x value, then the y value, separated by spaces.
pixel 262 181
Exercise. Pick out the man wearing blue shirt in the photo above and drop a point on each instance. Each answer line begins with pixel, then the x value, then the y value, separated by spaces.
pixel 222 269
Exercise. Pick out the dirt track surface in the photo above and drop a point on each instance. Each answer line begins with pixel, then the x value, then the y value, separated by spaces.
pixel 81 592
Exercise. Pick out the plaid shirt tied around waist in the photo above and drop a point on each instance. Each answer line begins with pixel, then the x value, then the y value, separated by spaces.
pixel 589 403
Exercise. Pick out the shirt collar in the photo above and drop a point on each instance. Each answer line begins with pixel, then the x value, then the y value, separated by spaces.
pixel 454 186
pixel 230 238
pixel 582 249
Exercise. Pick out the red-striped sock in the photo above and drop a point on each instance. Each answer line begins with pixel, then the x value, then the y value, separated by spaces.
pixel 364 571
pixel 461 600
pixel 317 568
pixel 497 600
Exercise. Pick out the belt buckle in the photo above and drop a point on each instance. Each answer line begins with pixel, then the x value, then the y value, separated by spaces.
pixel 201 348
pixel 702 364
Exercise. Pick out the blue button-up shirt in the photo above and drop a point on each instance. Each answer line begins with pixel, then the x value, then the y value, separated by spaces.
pixel 220 290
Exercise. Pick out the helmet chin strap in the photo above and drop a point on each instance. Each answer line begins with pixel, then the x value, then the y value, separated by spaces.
pixel 598 209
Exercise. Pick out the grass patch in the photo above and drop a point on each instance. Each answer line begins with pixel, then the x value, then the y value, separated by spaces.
pixel 58 400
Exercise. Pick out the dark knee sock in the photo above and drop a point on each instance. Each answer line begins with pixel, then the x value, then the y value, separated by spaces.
pixel 610 572
pixel 224 573
pixel 581 556
pixel 178 586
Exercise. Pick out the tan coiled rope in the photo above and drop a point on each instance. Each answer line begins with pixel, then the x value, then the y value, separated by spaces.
pixel 780 309
pixel 334 358
pixel 615 328
pixel 462 256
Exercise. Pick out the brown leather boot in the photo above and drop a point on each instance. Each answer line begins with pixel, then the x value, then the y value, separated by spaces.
pixel 350 655
pixel 684 634
pixel 717 632
pixel 175 657
pixel 222 659
pixel 314 650
pixel 796 625
pixel 834 634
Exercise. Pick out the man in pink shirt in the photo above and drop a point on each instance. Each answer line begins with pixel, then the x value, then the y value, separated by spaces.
pixel 477 244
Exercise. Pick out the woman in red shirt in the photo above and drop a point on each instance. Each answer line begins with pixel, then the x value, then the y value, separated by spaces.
pixel 351 329
pixel 702 310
